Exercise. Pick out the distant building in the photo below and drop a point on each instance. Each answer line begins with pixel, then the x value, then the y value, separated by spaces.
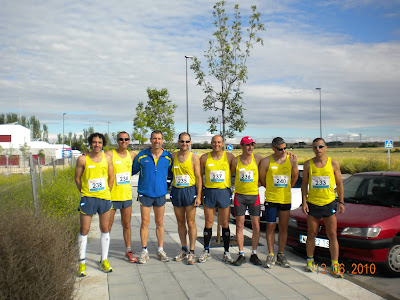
pixel 13 137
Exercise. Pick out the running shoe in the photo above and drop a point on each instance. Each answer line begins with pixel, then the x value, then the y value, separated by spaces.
pixel 255 260
pixel 191 259
pixel 335 272
pixel 310 267
pixel 205 256
pixel 144 256
pixel 181 255
pixel 105 266
pixel 240 260
pixel 281 260
pixel 82 270
pixel 228 258
pixel 269 262
pixel 161 255
pixel 129 257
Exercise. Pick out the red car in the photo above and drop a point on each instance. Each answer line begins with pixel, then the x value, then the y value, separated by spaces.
pixel 369 230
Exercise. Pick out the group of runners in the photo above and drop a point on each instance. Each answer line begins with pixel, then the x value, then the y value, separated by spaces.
pixel 104 182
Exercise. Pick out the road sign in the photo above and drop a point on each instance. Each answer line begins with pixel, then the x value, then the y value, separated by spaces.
pixel 229 147
pixel 388 144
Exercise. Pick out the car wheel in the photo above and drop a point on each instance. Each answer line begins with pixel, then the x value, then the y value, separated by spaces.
pixel 393 258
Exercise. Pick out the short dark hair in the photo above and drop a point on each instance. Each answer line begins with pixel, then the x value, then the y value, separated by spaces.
pixel 157 132
pixel 319 139
pixel 99 135
pixel 277 141
pixel 184 133
pixel 123 132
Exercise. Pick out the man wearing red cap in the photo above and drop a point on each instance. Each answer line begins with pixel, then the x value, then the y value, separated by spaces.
pixel 245 166
pixel 278 173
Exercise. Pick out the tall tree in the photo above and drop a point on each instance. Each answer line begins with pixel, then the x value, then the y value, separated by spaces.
pixel 2 119
pixel 226 59
pixel 45 133
pixel 160 114
pixel 139 124
pixel 34 125
pixel 11 118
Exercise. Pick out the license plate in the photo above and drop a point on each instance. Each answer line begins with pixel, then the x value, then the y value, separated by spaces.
pixel 323 243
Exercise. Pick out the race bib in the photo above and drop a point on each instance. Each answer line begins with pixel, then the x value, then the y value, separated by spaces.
pixel 123 178
pixel 246 176
pixel 217 176
pixel 320 182
pixel 182 180
pixel 96 185
pixel 281 180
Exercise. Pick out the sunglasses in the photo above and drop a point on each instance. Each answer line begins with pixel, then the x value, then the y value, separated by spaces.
pixel 318 146
pixel 182 141
pixel 280 149
pixel 123 139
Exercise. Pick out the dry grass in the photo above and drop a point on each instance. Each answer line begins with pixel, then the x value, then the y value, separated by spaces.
pixel 37 257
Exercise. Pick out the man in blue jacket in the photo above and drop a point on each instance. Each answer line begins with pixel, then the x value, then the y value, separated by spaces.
pixel 154 165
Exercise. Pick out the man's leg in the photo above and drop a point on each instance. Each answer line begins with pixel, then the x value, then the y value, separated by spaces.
pixel 159 219
pixel 331 232
pixel 270 237
pixel 126 215
pixel 181 220
pixel 282 238
pixel 105 234
pixel 144 226
pixel 190 212
pixel 255 225
pixel 209 214
pixel 112 214
pixel 85 221
pixel 239 231
pixel 283 227
pixel 223 214
pixel 312 231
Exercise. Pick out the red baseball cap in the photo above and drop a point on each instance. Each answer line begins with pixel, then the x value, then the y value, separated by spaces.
pixel 247 140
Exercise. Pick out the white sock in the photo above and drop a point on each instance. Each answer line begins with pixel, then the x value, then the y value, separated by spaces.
pixel 82 243
pixel 253 251
pixel 160 249
pixel 105 244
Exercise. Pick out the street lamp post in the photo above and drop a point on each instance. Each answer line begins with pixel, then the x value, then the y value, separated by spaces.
pixel 320 113
pixel 63 140
pixel 108 132
pixel 187 96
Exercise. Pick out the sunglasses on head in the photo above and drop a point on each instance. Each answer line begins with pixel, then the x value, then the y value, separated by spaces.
pixel 182 141
pixel 318 146
pixel 280 149
pixel 123 139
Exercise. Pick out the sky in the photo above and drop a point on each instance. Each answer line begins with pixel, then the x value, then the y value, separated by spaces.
pixel 94 60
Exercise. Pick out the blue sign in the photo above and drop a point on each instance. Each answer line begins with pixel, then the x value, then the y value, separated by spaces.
pixel 229 147
pixel 388 144
pixel 67 153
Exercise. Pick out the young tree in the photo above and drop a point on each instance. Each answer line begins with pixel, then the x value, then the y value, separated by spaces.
pixel 160 114
pixel 25 151
pixel 226 58
pixel 139 124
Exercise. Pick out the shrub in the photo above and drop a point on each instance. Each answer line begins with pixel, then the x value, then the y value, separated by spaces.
pixel 37 257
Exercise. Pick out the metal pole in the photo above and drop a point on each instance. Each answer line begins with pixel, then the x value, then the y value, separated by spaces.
pixel 320 113
pixel 63 140
pixel 34 183
pixel 187 96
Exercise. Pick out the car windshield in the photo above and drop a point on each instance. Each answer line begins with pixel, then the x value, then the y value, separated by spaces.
pixel 299 180
pixel 373 190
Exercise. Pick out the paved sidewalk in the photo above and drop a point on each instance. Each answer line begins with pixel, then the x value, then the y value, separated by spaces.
pixel 211 280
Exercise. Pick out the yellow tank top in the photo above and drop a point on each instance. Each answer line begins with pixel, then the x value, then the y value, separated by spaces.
pixel 321 184
pixel 246 179
pixel 278 182
pixel 122 189
pixel 183 172
pixel 95 179
pixel 217 173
